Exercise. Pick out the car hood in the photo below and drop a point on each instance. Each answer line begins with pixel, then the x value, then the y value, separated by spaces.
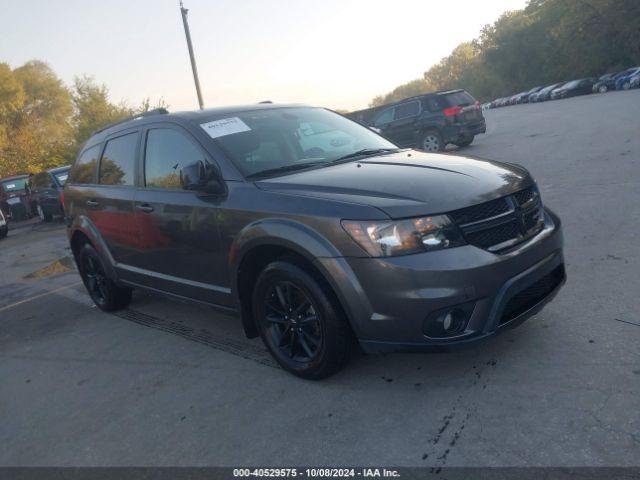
pixel 407 183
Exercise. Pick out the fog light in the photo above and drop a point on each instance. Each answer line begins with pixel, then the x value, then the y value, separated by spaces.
pixel 449 322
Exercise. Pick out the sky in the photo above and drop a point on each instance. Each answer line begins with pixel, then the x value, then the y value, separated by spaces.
pixel 333 53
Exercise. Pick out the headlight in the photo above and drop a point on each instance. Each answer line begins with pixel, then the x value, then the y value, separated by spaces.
pixel 402 237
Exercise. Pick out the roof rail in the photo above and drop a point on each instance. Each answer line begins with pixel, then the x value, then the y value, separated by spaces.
pixel 148 113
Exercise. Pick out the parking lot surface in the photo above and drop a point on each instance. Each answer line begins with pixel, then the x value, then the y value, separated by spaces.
pixel 166 383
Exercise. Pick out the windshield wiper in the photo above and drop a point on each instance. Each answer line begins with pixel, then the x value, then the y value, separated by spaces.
pixel 365 152
pixel 284 169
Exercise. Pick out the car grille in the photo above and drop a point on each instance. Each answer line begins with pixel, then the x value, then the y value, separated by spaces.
pixel 532 295
pixel 500 224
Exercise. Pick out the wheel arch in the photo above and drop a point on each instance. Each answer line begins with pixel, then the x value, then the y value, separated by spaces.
pixel 262 242
pixel 84 231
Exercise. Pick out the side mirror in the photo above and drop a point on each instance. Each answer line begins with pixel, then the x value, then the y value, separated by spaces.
pixel 201 177
pixel 375 129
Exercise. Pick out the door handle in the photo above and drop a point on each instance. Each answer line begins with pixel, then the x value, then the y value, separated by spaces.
pixel 145 207
pixel 92 203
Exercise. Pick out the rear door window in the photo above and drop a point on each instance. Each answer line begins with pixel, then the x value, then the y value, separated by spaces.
pixel 166 152
pixel 118 161
pixel 83 171
pixel 406 110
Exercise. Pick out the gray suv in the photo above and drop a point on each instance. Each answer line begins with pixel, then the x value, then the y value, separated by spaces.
pixel 319 233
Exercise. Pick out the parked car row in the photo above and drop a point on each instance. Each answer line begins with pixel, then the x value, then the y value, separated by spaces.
pixel 629 78
pixel 25 196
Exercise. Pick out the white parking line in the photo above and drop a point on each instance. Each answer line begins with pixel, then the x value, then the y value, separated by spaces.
pixel 35 297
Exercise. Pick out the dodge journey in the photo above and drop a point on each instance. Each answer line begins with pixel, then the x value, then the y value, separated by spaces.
pixel 316 231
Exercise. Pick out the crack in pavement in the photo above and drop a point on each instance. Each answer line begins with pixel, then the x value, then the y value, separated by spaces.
pixel 440 450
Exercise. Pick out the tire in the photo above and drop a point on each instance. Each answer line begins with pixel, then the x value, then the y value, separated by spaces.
pixel 431 141
pixel 602 89
pixel 300 321
pixel 45 217
pixel 103 291
pixel 626 86
pixel 3 232
pixel 465 143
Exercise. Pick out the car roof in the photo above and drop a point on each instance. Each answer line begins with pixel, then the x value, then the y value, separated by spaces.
pixel 14 177
pixel 182 116
pixel 59 169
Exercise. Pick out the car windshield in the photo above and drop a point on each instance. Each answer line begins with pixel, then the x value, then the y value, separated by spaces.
pixel 279 140
pixel 572 84
pixel 14 184
pixel 62 177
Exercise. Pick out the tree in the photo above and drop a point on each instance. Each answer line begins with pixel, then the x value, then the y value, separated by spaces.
pixel 36 109
pixel 92 108
pixel 548 41
pixel 43 123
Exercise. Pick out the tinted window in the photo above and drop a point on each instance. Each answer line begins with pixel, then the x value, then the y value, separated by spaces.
pixel 410 109
pixel 62 176
pixel 384 117
pixel 83 171
pixel 166 153
pixel 14 184
pixel 442 101
pixel 118 160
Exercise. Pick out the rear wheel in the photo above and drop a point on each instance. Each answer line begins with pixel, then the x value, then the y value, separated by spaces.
pixel 466 142
pixel 626 85
pixel 432 141
pixel 45 217
pixel 102 290
pixel 603 89
pixel 300 321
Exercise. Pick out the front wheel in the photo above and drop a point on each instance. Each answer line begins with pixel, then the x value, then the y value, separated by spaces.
pixel 300 321
pixel 102 290
pixel 603 89
pixel 626 86
pixel 466 142
pixel 432 141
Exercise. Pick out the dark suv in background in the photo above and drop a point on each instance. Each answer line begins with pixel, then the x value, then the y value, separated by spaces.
pixel 312 228
pixel 428 122
pixel 14 197
pixel 45 190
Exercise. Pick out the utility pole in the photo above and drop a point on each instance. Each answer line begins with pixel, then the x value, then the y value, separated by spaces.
pixel 184 11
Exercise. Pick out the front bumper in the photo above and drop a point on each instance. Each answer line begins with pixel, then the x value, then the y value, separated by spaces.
pixel 388 300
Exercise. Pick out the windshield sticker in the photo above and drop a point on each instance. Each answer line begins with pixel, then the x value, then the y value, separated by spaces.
pixel 224 127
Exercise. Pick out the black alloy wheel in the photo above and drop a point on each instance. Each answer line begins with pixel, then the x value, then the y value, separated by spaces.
pixel 293 324
pixel 300 320
pixel 102 290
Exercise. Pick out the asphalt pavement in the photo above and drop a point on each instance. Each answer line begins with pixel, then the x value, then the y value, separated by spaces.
pixel 166 383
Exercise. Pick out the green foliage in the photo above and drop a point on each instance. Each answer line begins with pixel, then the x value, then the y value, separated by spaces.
pixel 43 123
pixel 549 41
